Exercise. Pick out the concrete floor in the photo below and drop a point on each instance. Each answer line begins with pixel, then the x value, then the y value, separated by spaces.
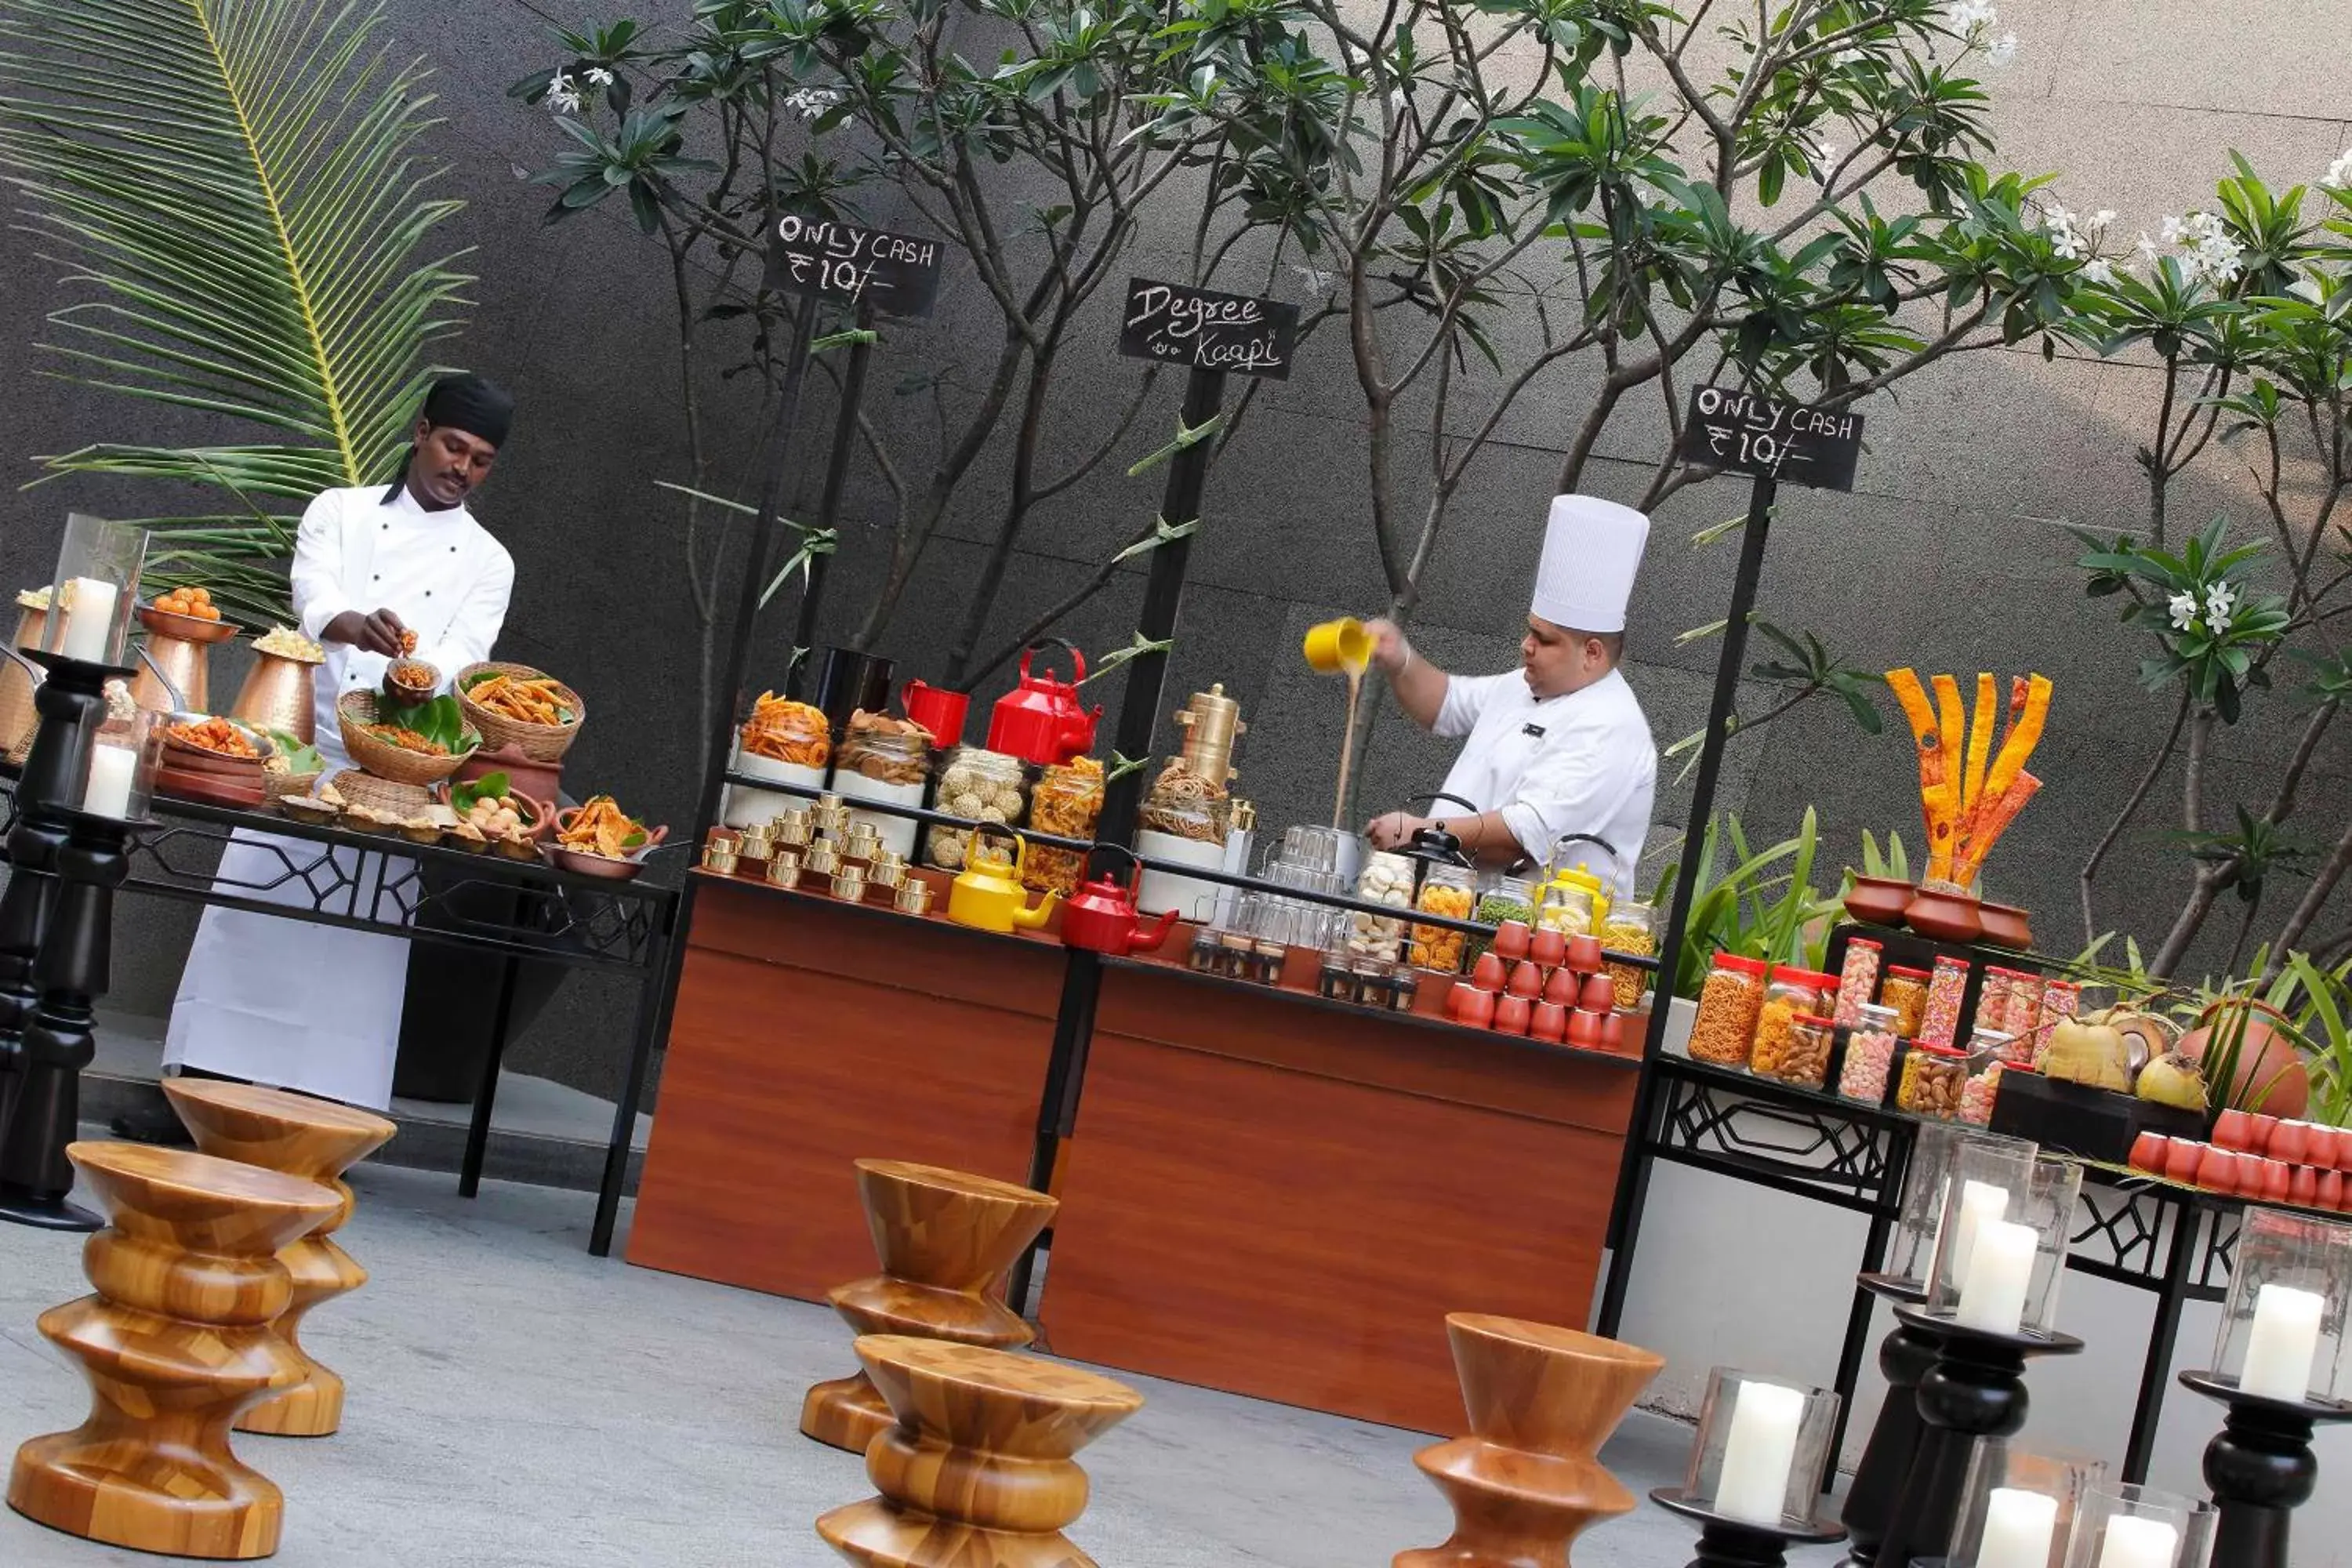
pixel 517 1404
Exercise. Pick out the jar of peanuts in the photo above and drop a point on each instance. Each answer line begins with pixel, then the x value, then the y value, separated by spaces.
pixel 1905 991
pixel 1870 1044
pixel 1934 1077
pixel 1941 1024
pixel 1801 1054
pixel 1728 1005
pixel 1857 977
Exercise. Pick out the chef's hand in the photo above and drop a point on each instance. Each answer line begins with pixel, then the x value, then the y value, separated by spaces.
pixel 377 633
pixel 1393 830
pixel 1389 650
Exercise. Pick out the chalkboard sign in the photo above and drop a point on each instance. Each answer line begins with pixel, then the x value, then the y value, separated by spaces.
pixel 1208 330
pixel 1739 431
pixel 897 274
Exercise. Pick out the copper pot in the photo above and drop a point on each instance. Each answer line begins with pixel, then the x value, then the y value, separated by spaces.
pixel 1943 913
pixel 2005 926
pixel 1878 900
pixel 279 694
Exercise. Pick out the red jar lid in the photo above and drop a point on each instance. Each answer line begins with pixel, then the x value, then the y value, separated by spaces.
pixel 1815 1020
pixel 1908 973
pixel 1853 943
pixel 1812 979
pixel 1737 965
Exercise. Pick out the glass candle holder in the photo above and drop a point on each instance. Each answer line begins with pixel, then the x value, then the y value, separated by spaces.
pixel 2121 1526
pixel 2020 1507
pixel 2282 1330
pixel 1927 1192
pixel 95 590
pixel 118 778
pixel 2003 1249
pixel 1762 1445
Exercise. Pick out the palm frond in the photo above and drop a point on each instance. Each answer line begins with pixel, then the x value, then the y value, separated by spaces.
pixel 233 188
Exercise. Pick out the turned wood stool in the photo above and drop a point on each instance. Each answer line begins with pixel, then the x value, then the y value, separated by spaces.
pixel 317 1140
pixel 175 1343
pixel 976 1471
pixel 1526 1483
pixel 944 1238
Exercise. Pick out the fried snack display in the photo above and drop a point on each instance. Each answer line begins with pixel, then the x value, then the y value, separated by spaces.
pixel 783 731
pixel 411 676
pixel 408 642
pixel 601 828
pixel 887 750
pixel 526 701
pixel 408 740
pixel 1969 789
pixel 215 735
pixel 285 642
pixel 192 601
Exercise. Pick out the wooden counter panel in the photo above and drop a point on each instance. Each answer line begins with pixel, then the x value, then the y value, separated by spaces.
pixel 1280 1232
pixel 786 1066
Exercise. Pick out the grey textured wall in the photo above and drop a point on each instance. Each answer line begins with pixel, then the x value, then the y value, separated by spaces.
pixel 1948 555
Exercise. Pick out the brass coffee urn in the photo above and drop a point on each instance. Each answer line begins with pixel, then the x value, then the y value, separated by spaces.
pixel 1211 722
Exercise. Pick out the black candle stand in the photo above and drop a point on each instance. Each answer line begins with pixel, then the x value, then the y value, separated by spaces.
pixel 1974 1390
pixel 2259 1467
pixel 1906 1356
pixel 1727 1542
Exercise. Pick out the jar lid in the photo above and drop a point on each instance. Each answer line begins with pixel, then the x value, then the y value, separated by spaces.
pixel 1815 1020
pixel 1906 973
pixel 1993 1037
pixel 1812 978
pixel 1871 1013
pixel 1853 943
pixel 1739 965
pixel 1936 1051
pixel 2012 973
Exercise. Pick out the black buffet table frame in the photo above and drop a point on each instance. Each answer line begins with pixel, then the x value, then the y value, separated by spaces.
pixel 2170 1241
pixel 381 886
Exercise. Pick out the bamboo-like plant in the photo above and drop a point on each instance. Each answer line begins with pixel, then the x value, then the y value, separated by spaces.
pixel 234 188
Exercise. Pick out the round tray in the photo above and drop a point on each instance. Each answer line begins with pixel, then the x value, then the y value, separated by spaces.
pixel 186 628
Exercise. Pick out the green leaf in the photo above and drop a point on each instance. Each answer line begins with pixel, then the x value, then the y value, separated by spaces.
pixel 489 786
pixel 300 756
pixel 440 720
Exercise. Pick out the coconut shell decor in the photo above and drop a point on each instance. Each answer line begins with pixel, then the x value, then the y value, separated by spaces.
pixel 1970 792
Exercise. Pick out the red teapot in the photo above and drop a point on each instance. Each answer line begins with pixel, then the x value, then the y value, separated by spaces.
pixel 937 709
pixel 1041 720
pixel 1101 916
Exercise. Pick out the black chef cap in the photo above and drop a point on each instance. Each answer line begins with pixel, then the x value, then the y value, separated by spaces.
pixel 471 403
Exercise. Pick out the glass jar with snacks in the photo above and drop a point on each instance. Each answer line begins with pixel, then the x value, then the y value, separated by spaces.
pixel 1934 1078
pixel 784 742
pixel 887 760
pixel 1448 890
pixel 1789 995
pixel 1184 823
pixel 1857 978
pixel 2022 1018
pixel 1988 1051
pixel 1510 898
pixel 1796 1052
pixel 1067 803
pixel 1564 908
pixel 1940 1026
pixel 981 786
pixel 2061 1000
pixel 1405 987
pixel 1727 1005
pixel 1632 926
pixel 1386 878
pixel 1870 1045
pixel 1905 991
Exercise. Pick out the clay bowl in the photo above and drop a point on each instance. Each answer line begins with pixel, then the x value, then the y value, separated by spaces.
pixel 2005 926
pixel 1944 916
pixel 1878 900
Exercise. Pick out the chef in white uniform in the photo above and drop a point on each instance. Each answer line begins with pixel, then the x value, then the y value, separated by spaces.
pixel 314 1007
pixel 1560 745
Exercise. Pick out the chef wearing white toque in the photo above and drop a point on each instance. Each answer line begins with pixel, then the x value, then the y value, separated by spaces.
pixel 1561 745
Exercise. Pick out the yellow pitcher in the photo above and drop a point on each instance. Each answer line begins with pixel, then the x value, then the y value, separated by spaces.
pixel 1339 646
pixel 988 896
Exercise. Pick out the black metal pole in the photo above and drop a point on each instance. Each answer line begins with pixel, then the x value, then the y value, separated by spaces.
pixel 1634 1172
pixel 1163 595
pixel 828 511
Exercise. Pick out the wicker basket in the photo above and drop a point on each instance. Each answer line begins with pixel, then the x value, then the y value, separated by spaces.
pixel 274 786
pixel 540 743
pixel 400 800
pixel 356 710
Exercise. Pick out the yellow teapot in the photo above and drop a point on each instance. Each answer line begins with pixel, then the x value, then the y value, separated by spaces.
pixel 988 896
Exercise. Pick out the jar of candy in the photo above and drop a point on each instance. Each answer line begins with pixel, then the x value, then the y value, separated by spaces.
pixel 981 786
pixel 1857 977
pixel 1870 1045
pixel 1905 991
pixel 1448 890
pixel 1933 1077
pixel 1632 927
pixel 1728 1005
pixel 1067 803
pixel 1988 1050
pixel 1992 996
pixel 1941 1024
pixel 2023 1016
pixel 1797 1053
pixel 1386 878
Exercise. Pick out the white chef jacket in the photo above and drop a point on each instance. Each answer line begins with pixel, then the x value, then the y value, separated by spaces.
pixel 1584 763
pixel 314 1007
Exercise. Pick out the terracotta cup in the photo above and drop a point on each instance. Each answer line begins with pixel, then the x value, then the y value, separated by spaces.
pixel 1478 1009
pixel 1598 993
pixel 1546 947
pixel 1584 954
pixel 1527 981
pixel 2330 1193
pixel 2218 1172
pixel 1488 974
pixel 2234 1130
pixel 1511 940
pixel 1512 1015
pixel 2266 1129
pixel 2277 1182
pixel 1549 1021
pixel 1614 1036
pixel 2302 1188
pixel 2291 1143
pixel 2320 1147
pixel 2183 1160
pixel 1456 995
pixel 1564 986
pixel 2148 1153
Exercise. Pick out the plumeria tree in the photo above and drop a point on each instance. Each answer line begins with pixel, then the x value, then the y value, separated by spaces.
pixel 2246 310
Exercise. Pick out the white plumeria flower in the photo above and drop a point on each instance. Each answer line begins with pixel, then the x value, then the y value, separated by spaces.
pixel 2057 216
pixel 2184 611
pixel 1824 162
pixel 2339 173
pixel 2098 221
pixel 2002 50
pixel 811 103
pixel 1847 58
pixel 2219 600
pixel 2146 250
pixel 597 75
pixel 2067 245
pixel 1971 14
pixel 562 97
pixel 2173 231
pixel 2096 270
pixel 2217 626
pixel 1318 280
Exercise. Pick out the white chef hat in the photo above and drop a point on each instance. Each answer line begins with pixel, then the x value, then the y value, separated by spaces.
pixel 1591 554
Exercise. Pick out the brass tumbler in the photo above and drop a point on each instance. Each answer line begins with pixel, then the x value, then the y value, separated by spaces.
pixel 784 869
pixel 913 897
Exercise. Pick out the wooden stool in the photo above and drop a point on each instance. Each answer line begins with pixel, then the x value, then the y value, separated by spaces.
pixel 976 1472
pixel 317 1140
pixel 1541 1402
pixel 944 1238
pixel 176 1342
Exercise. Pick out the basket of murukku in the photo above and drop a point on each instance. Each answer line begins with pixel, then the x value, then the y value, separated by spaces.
pixel 515 705
pixel 419 745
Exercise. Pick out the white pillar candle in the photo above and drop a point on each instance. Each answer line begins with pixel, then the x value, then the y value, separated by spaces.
pixel 2138 1543
pixel 1980 1202
pixel 2286 1338
pixel 112 770
pixel 1759 1453
pixel 2017 1530
pixel 2000 1274
pixel 91 622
